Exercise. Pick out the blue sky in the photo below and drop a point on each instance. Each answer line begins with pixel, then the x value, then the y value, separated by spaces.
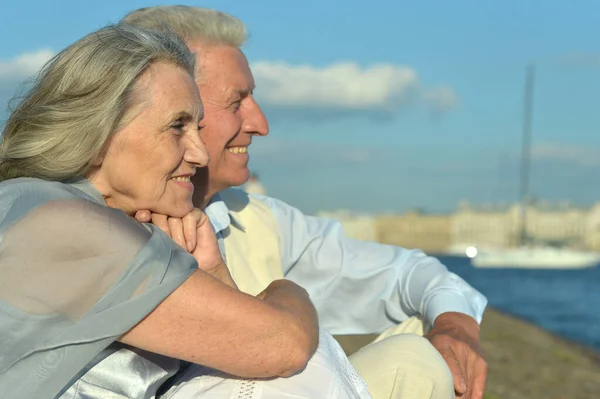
pixel 389 105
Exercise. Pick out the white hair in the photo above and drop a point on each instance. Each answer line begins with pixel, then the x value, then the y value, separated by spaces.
pixel 80 98
pixel 192 24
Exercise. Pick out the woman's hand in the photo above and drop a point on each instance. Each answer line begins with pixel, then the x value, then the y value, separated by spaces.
pixel 182 230
pixel 194 233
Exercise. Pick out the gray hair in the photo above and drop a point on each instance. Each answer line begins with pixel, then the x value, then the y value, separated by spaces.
pixel 80 98
pixel 193 24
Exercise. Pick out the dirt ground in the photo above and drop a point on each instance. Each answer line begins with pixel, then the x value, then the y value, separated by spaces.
pixel 526 362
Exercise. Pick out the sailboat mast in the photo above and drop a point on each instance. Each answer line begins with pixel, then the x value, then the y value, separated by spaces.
pixel 526 151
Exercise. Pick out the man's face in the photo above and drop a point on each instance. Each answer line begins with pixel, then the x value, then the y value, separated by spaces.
pixel 231 116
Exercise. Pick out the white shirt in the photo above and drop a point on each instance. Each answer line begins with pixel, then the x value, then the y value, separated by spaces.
pixel 357 287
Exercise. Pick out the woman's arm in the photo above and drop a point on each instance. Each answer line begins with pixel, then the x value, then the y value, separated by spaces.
pixel 90 264
pixel 207 322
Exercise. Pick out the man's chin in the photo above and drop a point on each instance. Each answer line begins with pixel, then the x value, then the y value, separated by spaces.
pixel 220 183
pixel 240 177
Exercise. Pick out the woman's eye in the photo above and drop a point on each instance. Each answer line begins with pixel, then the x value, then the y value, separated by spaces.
pixel 178 126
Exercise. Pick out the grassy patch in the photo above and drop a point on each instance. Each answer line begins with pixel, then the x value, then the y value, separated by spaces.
pixel 565 356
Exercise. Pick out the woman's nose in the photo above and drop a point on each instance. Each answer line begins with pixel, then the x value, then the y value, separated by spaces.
pixel 195 152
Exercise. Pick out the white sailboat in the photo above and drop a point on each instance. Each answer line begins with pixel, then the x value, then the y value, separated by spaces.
pixel 528 255
pixel 536 258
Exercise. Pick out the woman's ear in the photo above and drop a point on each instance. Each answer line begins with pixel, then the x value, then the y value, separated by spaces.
pixel 97 161
pixel 94 167
pixel 99 158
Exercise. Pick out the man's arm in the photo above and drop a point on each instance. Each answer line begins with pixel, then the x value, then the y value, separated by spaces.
pixel 362 287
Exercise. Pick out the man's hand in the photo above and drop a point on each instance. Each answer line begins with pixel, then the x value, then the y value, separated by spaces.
pixel 456 337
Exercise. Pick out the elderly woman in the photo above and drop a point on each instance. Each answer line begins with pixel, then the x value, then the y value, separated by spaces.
pixel 94 304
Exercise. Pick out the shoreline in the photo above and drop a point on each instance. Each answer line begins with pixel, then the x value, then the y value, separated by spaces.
pixel 586 350
pixel 525 361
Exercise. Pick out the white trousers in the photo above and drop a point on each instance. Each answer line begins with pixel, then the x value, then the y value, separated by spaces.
pixel 328 375
pixel 401 364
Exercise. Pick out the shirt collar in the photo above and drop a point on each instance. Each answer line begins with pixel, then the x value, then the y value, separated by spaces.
pixel 220 216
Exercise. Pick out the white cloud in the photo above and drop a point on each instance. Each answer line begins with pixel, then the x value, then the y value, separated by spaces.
pixel 584 156
pixel 347 86
pixel 339 89
pixel 343 85
pixel 24 65
pixel 15 71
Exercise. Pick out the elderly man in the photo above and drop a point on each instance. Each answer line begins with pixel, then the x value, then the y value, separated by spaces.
pixel 357 287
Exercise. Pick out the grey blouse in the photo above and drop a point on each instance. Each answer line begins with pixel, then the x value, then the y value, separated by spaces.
pixel 74 276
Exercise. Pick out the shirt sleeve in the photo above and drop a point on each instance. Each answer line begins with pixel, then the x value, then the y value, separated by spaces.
pixel 364 287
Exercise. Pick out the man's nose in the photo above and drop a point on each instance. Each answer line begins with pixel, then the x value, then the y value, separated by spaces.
pixel 255 121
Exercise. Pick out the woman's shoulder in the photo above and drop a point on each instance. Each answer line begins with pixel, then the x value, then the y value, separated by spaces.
pixel 44 211
pixel 19 197
pixel 41 191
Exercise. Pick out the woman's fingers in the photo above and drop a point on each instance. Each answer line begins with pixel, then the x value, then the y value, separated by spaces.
pixel 184 231
pixel 143 216
pixel 176 228
pixel 190 223
pixel 160 221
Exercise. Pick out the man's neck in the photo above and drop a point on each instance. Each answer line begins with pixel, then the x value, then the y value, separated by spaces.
pixel 202 196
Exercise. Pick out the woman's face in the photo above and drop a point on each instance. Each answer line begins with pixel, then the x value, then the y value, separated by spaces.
pixel 149 162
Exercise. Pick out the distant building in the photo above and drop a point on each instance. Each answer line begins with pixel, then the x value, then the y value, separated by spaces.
pixel 254 186
pixel 356 226
pixel 559 224
pixel 483 226
pixel 593 228
pixel 500 227
pixel 428 232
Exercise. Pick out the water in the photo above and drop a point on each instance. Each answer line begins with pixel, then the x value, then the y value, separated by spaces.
pixel 566 302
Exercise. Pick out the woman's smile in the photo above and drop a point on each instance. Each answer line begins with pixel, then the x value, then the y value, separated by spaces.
pixel 184 182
